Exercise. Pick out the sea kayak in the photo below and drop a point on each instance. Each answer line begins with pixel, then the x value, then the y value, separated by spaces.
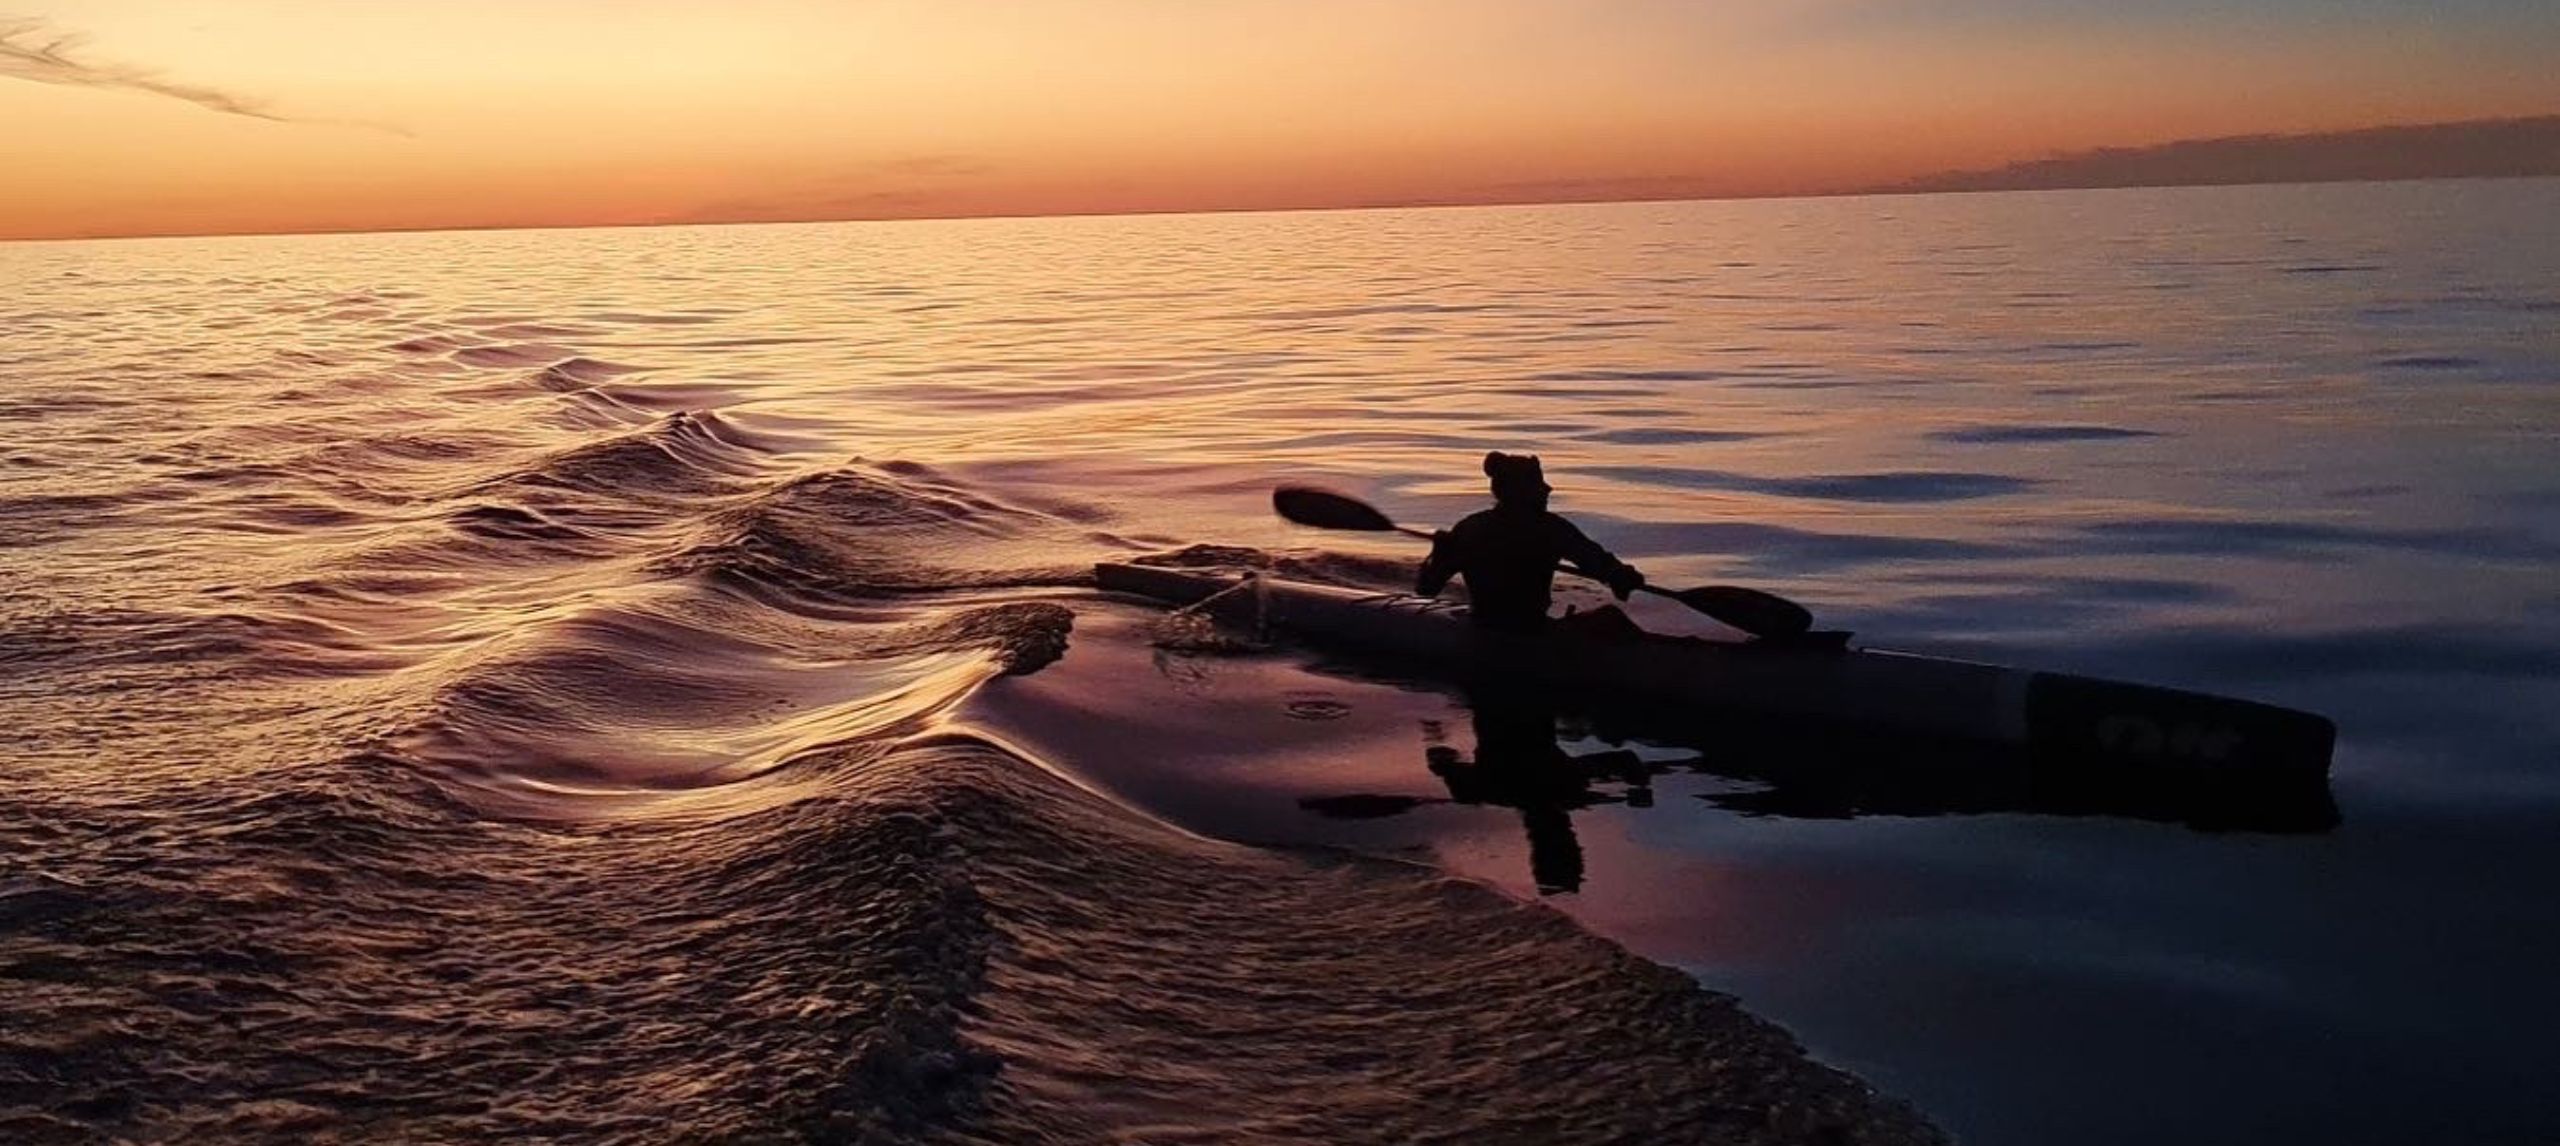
pixel 2057 719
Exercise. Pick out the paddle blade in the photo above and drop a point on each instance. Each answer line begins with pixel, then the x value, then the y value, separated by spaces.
pixel 1325 509
pixel 1750 610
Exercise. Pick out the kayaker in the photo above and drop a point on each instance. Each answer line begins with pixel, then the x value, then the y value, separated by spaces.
pixel 1508 554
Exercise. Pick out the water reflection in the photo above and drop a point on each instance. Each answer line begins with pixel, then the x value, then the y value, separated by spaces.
pixel 1520 761
pixel 1518 764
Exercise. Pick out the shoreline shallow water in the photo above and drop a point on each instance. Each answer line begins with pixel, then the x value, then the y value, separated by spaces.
pixel 509 682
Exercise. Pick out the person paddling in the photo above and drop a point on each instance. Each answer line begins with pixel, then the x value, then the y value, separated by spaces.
pixel 1763 615
pixel 1507 555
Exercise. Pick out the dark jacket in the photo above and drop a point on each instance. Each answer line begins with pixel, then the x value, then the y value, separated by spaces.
pixel 1508 557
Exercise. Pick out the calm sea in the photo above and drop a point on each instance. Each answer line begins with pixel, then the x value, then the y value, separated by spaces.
pixel 574 683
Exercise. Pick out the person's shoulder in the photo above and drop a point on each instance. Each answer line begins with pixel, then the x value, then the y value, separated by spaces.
pixel 1559 524
pixel 1476 522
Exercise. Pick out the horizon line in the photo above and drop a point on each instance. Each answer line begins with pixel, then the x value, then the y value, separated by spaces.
pixel 1886 192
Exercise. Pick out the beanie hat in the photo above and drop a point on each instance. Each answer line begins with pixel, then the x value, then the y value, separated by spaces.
pixel 1514 474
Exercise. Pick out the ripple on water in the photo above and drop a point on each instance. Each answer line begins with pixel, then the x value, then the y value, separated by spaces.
pixel 519 744
pixel 1630 375
pixel 1886 488
pixel 1669 436
pixel 2006 434
pixel 1779 550
pixel 516 354
pixel 679 318
pixel 2300 540
pixel 2430 362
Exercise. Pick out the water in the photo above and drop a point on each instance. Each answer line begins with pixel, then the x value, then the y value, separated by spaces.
pixel 559 683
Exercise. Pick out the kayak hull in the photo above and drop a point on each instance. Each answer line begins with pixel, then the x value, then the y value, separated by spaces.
pixel 2059 721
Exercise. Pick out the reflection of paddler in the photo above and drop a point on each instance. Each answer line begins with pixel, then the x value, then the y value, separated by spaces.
pixel 1519 765
pixel 1555 856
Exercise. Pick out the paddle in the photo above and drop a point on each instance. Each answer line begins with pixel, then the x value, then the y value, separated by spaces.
pixel 1750 610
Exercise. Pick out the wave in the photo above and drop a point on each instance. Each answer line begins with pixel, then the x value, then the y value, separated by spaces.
pixel 951 945
pixel 608 711
pixel 859 531
pixel 498 521
pixel 33 520
pixel 434 344
pixel 578 372
pixel 50 407
pixel 687 454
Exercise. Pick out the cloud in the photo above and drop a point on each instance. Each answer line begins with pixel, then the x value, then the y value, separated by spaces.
pixel 936 166
pixel 2480 148
pixel 900 187
pixel 32 49
pixel 1605 187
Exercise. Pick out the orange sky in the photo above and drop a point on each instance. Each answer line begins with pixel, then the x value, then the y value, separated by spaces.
pixel 287 115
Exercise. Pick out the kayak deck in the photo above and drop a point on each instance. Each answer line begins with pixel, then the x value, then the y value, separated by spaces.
pixel 2063 722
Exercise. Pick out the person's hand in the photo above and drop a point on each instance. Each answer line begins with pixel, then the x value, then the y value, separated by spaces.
pixel 1626 582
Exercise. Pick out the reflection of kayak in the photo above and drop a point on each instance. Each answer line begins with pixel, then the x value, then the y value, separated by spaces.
pixel 2057 718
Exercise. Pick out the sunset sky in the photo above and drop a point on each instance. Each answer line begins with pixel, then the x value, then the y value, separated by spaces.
pixel 155 116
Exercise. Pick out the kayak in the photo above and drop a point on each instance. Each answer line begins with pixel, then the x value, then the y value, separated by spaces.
pixel 2058 720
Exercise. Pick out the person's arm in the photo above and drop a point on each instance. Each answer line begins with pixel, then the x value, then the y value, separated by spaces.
pixel 1588 556
pixel 1442 564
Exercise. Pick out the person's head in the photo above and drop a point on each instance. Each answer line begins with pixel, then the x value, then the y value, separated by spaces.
pixel 1518 481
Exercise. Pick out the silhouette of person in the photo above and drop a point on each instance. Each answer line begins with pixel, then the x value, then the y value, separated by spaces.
pixel 1507 555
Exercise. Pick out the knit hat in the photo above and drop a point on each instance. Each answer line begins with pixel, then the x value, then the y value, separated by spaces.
pixel 1515 475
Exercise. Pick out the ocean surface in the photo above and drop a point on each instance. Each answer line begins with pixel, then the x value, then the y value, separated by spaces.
pixel 616 684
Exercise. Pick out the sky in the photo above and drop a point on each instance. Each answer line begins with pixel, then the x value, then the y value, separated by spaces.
pixel 134 117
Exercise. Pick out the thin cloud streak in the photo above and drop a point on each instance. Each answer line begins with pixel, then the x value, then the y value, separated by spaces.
pixel 31 49
pixel 906 186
